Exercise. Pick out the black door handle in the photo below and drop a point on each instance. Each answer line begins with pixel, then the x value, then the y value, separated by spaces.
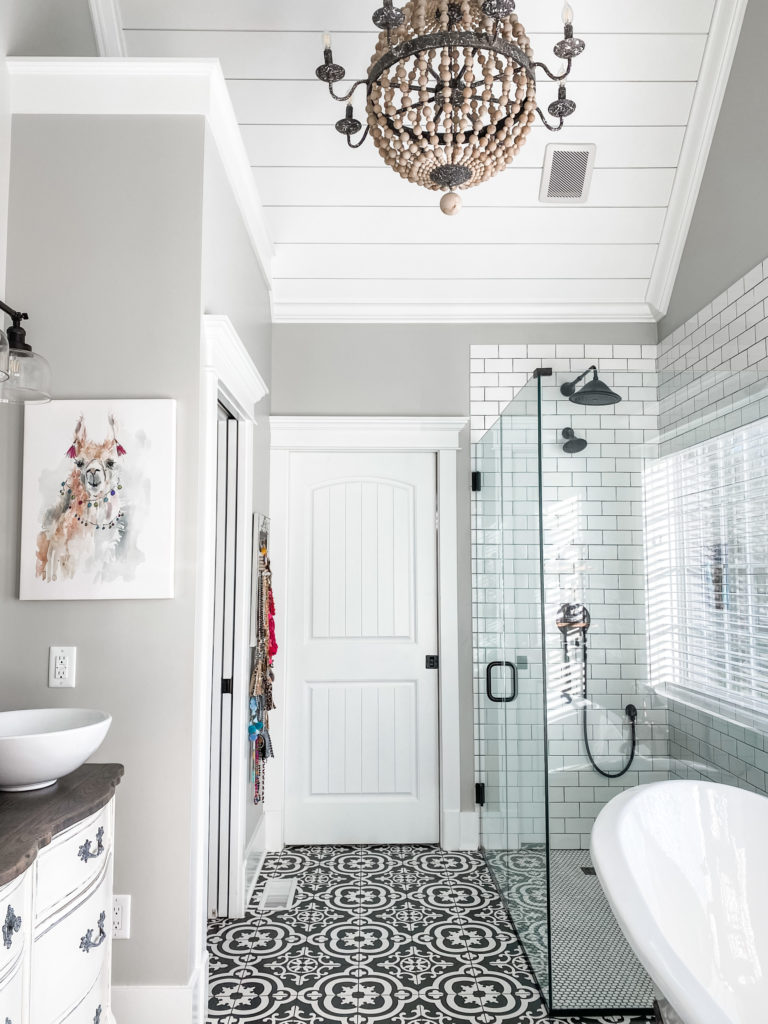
pixel 489 681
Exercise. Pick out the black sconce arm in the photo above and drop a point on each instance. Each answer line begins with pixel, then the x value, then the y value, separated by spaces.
pixel 17 336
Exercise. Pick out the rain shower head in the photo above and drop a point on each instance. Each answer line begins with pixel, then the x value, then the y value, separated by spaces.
pixel 573 445
pixel 594 392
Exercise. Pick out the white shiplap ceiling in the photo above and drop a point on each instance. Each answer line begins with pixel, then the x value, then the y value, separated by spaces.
pixel 354 242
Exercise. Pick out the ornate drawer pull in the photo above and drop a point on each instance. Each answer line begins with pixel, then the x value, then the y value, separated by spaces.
pixel 85 853
pixel 12 925
pixel 86 943
pixel 97 1015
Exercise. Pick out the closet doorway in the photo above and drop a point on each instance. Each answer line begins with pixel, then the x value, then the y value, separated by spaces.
pixel 223 728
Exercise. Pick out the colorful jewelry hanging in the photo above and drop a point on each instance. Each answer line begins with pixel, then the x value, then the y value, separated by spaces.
pixel 261 700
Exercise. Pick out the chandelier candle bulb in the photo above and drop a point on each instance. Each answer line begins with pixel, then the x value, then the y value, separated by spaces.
pixel 567 14
pixel 326 41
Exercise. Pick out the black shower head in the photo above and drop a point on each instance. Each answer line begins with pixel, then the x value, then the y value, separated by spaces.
pixel 573 445
pixel 594 392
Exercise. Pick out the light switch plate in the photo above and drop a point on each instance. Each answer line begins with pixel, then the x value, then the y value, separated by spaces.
pixel 62 662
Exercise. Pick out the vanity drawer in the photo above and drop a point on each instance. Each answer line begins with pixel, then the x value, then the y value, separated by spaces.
pixel 71 952
pixel 12 995
pixel 94 1008
pixel 71 862
pixel 14 921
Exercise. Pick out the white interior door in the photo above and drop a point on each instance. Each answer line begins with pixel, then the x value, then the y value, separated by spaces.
pixel 362 711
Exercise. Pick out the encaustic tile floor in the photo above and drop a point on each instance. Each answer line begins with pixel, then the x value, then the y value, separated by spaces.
pixel 395 934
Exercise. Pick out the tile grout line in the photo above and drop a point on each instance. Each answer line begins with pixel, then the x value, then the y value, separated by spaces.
pixel 302 973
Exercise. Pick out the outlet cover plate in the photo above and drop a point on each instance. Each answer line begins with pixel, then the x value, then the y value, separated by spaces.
pixel 121 917
pixel 62 664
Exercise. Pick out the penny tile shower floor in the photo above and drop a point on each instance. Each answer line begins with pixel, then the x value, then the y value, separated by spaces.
pixel 395 934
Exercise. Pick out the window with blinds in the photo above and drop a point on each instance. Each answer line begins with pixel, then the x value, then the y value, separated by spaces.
pixel 707 564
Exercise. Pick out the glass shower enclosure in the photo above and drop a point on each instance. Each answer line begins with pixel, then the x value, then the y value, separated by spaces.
pixel 559 661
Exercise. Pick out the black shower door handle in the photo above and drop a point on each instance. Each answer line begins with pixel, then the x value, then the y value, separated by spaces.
pixel 489 681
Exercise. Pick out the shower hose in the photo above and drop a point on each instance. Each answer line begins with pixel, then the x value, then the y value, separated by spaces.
pixel 631 712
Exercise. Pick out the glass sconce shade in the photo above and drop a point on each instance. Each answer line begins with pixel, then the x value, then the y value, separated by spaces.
pixel 3 357
pixel 28 380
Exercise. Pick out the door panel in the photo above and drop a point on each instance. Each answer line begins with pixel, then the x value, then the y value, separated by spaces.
pixel 362 720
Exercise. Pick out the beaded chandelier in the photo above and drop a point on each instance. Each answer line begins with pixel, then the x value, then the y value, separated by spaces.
pixel 451 91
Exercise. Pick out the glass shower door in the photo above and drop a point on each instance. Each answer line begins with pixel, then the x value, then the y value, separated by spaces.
pixel 509 669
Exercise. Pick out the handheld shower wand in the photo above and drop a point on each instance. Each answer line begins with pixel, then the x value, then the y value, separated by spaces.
pixel 575 619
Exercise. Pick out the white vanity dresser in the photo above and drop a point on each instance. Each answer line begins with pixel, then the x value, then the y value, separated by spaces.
pixel 56 900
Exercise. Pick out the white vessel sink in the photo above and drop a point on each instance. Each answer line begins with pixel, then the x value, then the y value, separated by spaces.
pixel 38 747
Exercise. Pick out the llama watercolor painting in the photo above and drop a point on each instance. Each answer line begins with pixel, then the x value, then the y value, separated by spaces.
pixel 98 509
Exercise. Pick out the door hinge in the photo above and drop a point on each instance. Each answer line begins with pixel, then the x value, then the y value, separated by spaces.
pixel 433 661
pixel 477 481
pixel 226 686
pixel 480 794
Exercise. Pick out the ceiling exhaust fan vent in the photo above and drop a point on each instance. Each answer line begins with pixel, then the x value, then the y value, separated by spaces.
pixel 278 894
pixel 567 173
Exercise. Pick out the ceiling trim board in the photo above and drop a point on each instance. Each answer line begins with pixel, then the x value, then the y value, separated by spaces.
pixel 444 313
pixel 108 28
pixel 93 86
pixel 707 102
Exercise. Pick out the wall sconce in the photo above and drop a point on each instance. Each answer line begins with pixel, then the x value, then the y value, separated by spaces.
pixel 24 375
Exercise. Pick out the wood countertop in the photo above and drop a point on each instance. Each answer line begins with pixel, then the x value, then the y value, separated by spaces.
pixel 29 821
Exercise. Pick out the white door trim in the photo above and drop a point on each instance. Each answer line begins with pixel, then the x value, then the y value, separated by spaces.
pixel 227 375
pixel 373 433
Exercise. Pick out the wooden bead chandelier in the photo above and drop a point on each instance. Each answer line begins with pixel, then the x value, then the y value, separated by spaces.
pixel 451 91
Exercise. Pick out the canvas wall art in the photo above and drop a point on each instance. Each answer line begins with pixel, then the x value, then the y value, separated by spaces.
pixel 98 500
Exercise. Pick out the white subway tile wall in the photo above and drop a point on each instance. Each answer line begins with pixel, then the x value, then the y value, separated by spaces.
pixel 713 378
pixel 593 553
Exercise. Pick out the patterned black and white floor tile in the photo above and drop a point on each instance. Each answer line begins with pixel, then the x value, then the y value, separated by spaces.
pixel 376 935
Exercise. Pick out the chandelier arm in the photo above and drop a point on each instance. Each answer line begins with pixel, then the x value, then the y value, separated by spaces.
pixel 357 145
pixel 555 78
pixel 343 99
pixel 545 122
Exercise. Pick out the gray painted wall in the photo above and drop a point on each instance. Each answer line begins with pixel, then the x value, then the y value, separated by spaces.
pixel 105 238
pixel 233 284
pixel 109 221
pixel 35 28
pixel 412 370
pixel 730 225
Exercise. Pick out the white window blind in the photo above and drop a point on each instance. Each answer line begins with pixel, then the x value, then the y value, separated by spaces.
pixel 707 563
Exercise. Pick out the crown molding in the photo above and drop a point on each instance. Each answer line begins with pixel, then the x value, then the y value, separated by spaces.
pixel 445 313
pixel 152 88
pixel 108 28
pixel 716 67
pixel 225 353
pixel 366 433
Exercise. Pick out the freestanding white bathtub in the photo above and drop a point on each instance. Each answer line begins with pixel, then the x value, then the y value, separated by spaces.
pixel 684 866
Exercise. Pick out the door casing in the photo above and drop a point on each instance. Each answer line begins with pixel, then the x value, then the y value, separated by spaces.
pixel 441 436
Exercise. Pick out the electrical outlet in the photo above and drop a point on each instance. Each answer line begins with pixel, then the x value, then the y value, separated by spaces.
pixel 61 666
pixel 121 917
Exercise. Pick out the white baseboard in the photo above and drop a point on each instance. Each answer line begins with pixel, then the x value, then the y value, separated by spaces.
pixel 460 831
pixel 159 1004
pixel 469 830
pixel 273 830
pixel 254 858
